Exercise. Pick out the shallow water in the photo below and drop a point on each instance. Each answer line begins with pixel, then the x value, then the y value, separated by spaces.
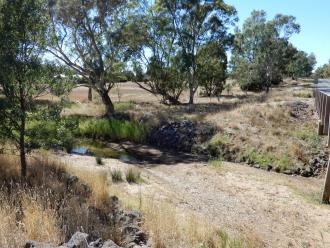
pixel 81 150
pixel 128 159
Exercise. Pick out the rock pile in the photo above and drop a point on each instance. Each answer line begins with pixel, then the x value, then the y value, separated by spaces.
pixel 180 135
pixel 299 110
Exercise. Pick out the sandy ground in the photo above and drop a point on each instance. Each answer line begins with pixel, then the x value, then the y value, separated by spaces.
pixel 279 210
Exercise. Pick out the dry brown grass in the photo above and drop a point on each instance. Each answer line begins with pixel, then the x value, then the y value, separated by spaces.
pixel 46 207
pixel 25 217
pixel 97 181
pixel 170 227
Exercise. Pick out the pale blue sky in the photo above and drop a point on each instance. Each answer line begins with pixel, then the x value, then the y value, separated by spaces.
pixel 313 16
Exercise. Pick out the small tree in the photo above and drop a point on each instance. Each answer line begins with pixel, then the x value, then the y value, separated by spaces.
pixel 211 68
pixel 89 37
pixel 22 76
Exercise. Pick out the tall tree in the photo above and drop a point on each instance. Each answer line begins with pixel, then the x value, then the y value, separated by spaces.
pixel 159 54
pixel 262 50
pixel 88 36
pixel 196 23
pixel 22 76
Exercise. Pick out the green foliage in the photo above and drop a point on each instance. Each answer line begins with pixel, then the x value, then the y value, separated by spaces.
pixel 283 160
pixel 323 71
pixel 301 65
pixel 133 176
pixel 51 133
pixel 113 129
pixel 211 68
pixel 176 31
pixel 310 136
pixel 92 38
pixel 116 176
pixel 23 77
pixel 262 50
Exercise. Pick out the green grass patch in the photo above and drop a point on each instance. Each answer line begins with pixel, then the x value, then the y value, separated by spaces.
pixel 263 159
pixel 308 134
pixel 113 129
pixel 122 106
pixel 303 94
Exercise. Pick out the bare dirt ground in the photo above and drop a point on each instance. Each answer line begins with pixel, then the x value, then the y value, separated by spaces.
pixel 274 209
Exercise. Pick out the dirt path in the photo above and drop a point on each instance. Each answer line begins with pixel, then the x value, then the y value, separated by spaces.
pixel 280 210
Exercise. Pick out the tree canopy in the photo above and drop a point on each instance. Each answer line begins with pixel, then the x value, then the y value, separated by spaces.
pixel 262 50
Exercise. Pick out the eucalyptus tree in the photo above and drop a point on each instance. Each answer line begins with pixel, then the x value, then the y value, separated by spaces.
pixel 262 50
pixel 323 71
pixel 196 23
pixel 301 65
pixel 158 54
pixel 88 36
pixel 211 72
pixel 23 77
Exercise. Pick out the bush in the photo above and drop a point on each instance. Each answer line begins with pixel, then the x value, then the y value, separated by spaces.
pixel 113 129
pixel 116 176
pixel 52 133
pixel 133 176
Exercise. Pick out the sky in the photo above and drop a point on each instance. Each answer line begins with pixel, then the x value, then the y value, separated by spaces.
pixel 313 17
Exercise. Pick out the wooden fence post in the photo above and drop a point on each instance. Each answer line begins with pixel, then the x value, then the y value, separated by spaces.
pixel 326 190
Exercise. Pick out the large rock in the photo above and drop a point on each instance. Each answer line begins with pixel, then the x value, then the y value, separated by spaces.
pixel 78 240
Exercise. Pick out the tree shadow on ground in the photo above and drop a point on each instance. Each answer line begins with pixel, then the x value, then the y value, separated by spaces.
pixel 209 108
pixel 150 156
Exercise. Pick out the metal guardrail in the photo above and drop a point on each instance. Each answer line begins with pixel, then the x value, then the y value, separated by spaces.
pixel 322 104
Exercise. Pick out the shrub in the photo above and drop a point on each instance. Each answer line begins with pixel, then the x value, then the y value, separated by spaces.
pixel 113 129
pixel 52 133
pixel 133 176
pixel 116 176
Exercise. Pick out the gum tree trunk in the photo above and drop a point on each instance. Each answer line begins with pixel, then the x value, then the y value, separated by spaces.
pixel 109 108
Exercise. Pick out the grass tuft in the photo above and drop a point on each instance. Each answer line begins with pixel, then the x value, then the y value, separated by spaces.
pixel 116 176
pixel 133 176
